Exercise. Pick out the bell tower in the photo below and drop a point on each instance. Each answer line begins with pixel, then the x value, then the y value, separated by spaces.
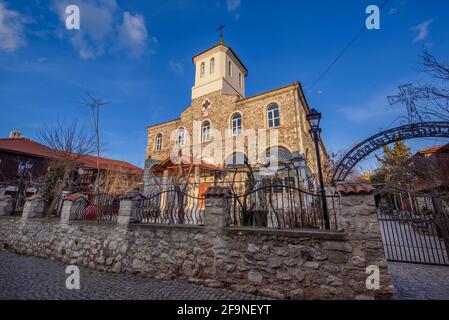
pixel 219 69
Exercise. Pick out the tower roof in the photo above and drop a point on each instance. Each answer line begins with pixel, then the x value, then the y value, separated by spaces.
pixel 226 47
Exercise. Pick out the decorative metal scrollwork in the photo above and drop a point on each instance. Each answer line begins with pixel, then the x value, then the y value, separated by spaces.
pixel 375 142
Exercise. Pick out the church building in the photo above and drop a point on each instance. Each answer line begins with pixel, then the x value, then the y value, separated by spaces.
pixel 219 104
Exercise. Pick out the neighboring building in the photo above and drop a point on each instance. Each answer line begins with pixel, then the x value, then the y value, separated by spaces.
pixel 432 169
pixel 219 103
pixel 23 158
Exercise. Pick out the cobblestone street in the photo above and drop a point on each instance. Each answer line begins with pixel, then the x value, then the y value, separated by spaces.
pixel 24 277
pixel 420 282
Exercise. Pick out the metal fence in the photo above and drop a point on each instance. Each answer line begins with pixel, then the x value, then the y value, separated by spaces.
pixel 172 206
pixel 284 207
pixel 99 207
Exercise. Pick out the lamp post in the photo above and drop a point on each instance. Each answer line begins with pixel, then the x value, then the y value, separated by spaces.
pixel 314 118
pixel 298 163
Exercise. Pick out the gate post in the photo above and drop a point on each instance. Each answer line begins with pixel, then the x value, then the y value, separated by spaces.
pixel 6 205
pixel 217 207
pixel 358 217
pixel 34 207
pixel 129 204
pixel 441 220
pixel 71 206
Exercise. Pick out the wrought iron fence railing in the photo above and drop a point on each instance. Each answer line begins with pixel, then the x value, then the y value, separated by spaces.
pixel 282 207
pixel 99 207
pixel 171 206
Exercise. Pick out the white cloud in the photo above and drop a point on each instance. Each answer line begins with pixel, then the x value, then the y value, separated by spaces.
pixel 399 4
pixel 104 27
pixel 232 4
pixel 375 108
pixel 132 34
pixel 176 67
pixel 11 29
pixel 422 30
pixel 393 11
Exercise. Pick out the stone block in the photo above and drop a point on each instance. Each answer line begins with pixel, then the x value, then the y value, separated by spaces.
pixel 6 207
pixel 34 208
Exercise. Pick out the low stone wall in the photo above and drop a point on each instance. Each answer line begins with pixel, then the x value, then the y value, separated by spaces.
pixel 295 264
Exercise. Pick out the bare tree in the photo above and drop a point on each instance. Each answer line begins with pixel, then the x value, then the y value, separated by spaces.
pixel 117 183
pixel 95 104
pixel 438 103
pixel 69 144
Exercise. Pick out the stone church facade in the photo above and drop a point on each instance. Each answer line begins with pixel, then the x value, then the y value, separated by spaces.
pixel 219 104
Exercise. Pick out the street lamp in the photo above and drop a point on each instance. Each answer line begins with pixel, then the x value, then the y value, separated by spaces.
pixel 298 163
pixel 314 118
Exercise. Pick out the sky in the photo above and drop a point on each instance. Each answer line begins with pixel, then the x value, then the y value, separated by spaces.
pixel 137 56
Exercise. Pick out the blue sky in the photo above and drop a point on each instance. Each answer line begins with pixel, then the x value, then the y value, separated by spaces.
pixel 137 55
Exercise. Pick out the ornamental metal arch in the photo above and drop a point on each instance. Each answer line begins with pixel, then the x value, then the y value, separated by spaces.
pixel 375 142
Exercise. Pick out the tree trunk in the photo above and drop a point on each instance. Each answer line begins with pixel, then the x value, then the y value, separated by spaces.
pixel 58 191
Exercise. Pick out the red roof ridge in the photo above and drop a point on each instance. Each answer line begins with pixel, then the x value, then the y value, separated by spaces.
pixel 433 149
pixel 34 148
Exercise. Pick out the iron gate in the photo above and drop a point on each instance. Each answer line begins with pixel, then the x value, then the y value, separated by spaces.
pixel 414 226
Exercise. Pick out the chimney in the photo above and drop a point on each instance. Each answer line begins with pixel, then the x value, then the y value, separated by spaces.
pixel 16 134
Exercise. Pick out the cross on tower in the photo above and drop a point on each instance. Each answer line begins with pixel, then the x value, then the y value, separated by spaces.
pixel 408 95
pixel 220 29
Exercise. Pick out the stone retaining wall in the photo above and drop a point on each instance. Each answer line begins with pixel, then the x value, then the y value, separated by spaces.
pixel 296 264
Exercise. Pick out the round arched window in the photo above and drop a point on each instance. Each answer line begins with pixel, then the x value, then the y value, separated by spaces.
pixel 159 142
pixel 235 160
pixel 280 154
pixel 205 131
pixel 273 116
pixel 236 124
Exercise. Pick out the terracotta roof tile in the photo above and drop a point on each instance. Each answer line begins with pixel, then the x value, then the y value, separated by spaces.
pixel 348 188
pixel 433 149
pixel 5 198
pixel 74 197
pixel 35 197
pixel 186 161
pixel 33 148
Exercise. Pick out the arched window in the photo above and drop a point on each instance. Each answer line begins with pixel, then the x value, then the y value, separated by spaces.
pixel 230 69
pixel 159 142
pixel 212 65
pixel 202 69
pixel 281 154
pixel 236 124
pixel 273 116
pixel 235 160
pixel 240 80
pixel 205 131
pixel 181 136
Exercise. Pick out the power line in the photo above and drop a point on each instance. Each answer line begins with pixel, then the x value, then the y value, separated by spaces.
pixel 341 54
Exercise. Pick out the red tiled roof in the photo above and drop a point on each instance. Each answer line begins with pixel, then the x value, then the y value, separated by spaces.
pixel 430 185
pixel 434 149
pixel 74 197
pixel 347 188
pixel 186 161
pixel 33 148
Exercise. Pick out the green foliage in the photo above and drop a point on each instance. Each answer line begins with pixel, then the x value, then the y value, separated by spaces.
pixel 54 174
pixel 394 164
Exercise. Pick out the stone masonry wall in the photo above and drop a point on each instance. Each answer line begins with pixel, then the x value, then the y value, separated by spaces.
pixel 279 264
pixel 294 264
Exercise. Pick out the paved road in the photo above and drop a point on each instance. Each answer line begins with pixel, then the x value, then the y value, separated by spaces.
pixel 419 282
pixel 24 277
